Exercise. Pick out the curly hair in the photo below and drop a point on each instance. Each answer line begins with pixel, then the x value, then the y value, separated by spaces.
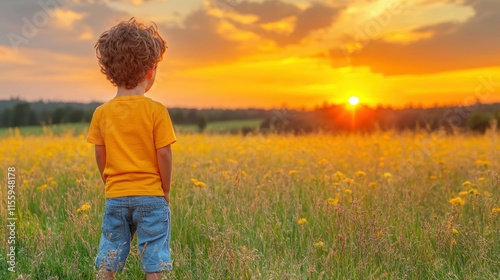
pixel 128 50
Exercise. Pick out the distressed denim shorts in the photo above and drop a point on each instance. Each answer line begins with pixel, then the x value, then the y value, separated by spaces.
pixel 123 216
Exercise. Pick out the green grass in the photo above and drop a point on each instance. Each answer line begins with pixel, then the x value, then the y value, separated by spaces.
pixel 235 126
pixel 72 128
pixel 394 221
pixel 77 128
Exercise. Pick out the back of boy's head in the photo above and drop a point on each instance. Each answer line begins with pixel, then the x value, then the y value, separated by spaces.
pixel 127 51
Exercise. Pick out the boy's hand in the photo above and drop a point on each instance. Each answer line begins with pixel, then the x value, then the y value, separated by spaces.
pixel 164 157
pixel 100 157
pixel 166 195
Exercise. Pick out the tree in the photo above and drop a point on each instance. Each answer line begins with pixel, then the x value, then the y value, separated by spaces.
pixel 7 120
pixel 192 116
pixel 479 121
pixel 202 123
pixel 23 114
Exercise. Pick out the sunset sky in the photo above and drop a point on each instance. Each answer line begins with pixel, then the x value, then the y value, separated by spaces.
pixel 234 53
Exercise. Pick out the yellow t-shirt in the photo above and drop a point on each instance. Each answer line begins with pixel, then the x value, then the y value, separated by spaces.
pixel 131 128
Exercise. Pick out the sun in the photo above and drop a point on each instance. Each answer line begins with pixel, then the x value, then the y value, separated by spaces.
pixel 353 100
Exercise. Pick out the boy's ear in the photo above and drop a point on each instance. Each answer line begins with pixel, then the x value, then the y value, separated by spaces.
pixel 150 73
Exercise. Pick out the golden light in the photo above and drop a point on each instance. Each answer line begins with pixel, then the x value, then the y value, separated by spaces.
pixel 353 100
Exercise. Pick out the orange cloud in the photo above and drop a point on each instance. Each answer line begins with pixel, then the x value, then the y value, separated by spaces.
pixel 66 19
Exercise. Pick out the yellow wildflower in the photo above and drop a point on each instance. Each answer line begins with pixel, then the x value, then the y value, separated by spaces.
pixel 42 187
pixel 200 184
pixel 487 193
pixel 453 242
pixel 318 244
pixel 457 201
pixel 360 174
pixel 432 177
pixel 387 175
pixel 193 165
pixel 379 233
pixel 484 163
pixel 83 208
pixel 323 161
pixel 25 181
pixel 462 193
pixel 332 201
pixel 372 184
pixel 197 183
pixel 291 172
pixel 466 184
pixel 338 175
pixel 495 210
pixel 347 191
pixel 454 231
pixel 473 191
pixel 481 179
pixel 349 181
pixel 50 179
pixel 244 173
pixel 301 221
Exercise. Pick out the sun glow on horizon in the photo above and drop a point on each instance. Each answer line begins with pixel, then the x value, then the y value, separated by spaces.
pixel 353 100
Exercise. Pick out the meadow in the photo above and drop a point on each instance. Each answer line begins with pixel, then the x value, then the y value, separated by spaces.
pixel 387 205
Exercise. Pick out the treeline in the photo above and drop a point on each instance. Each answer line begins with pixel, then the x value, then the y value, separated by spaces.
pixel 23 114
pixel 16 113
pixel 477 117
pixel 328 117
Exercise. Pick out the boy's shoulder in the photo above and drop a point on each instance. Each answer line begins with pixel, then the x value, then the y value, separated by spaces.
pixel 156 103
pixel 149 102
pixel 98 109
pixel 157 106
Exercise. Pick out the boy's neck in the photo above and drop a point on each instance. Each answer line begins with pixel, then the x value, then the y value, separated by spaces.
pixel 129 92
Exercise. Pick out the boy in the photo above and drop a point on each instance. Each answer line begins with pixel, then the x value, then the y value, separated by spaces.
pixel 132 136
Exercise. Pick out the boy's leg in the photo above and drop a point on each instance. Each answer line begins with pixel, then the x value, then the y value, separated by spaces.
pixel 114 245
pixel 153 276
pixel 104 274
pixel 153 233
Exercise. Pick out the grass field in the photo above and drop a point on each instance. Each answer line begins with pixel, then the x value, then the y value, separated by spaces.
pixel 379 206
pixel 77 128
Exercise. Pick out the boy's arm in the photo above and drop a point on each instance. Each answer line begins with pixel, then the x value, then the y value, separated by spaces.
pixel 164 157
pixel 100 157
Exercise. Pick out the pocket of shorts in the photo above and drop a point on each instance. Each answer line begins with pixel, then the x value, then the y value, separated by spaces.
pixel 154 220
pixel 113 226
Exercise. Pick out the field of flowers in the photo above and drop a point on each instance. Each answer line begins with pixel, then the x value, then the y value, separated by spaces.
pixel 380 206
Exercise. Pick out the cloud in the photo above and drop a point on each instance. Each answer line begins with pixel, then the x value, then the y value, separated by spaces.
pixel 267 11
pixel 9 56
pixel 316 17
pixel 60 27
pixel 66 19
pixel 291 24
pixel 133 2
pixel 452 46
pixel 197 40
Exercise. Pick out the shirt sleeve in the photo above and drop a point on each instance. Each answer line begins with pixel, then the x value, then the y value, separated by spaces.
pixel 163 130
pixel 94 135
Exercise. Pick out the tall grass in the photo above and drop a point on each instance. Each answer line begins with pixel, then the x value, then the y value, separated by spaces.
pixel 275 207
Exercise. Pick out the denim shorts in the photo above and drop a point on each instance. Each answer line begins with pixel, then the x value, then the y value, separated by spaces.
pixel 123 216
